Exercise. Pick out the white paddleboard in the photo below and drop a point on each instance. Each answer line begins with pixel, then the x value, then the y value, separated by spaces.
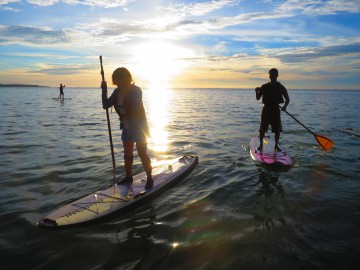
pixel 121 197
pixel 268 155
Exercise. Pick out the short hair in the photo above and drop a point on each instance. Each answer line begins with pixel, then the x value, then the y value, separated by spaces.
pixel 274 70
pixel 121 74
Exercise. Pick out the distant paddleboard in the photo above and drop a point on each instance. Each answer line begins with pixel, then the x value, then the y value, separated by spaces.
pixel 61 98
pixel 268 156
pixel 121 197
pixel 351 131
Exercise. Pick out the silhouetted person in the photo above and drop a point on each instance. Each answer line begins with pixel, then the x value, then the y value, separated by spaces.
pixel 61 91
pixel 127 101
pixel 273 94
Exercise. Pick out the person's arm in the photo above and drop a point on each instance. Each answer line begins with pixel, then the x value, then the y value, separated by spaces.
pixel 258 93
pixel 107 102
pixel 287 99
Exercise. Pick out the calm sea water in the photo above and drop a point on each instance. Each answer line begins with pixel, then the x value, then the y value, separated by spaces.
pixel 228 213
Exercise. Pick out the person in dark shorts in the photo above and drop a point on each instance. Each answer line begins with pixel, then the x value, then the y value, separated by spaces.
pixel 273 93
pixel 61 91
pixel 127 101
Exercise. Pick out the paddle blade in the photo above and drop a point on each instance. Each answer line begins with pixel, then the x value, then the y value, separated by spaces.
pixel 324 142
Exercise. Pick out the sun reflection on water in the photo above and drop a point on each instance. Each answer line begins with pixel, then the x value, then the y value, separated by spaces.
pixel 159 96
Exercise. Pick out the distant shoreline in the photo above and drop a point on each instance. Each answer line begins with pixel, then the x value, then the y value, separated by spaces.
pixel 21 85
pixel 176 88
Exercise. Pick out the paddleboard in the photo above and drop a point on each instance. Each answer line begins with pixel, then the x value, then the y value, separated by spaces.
pixel 61 98
pixel 268 155
pixel 119 197
pixel 351 131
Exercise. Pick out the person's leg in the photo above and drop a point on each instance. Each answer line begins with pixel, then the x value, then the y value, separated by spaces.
pixel 277 138
pixel 264 124
pixel 146 162
pixel 261 137
pixel 276 128
pixel 128 157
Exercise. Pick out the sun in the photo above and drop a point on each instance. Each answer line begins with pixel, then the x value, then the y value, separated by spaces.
pixel 158 61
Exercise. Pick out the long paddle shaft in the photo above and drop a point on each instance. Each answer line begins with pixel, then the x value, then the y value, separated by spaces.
pixel 323 141
pixel 300 123
pixel 109 126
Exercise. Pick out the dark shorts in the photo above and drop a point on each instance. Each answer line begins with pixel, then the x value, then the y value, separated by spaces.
pixel 130 136
pixel 270 115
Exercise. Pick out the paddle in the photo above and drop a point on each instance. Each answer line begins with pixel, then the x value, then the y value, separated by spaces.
pixel 324 142
pixel 109 127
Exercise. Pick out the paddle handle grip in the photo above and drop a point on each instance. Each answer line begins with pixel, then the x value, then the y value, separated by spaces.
pixel 102 69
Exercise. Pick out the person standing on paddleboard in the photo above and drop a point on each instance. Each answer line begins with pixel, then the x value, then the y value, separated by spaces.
pixel 61 88
pixel 127 101
pixel 273 94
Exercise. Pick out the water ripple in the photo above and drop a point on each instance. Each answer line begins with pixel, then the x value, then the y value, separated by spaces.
pixel 229 213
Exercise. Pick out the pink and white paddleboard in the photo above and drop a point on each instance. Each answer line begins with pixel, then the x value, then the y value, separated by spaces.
pixel 268 155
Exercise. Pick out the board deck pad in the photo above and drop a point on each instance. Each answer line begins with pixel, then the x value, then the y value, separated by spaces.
pixel 268 155
pixel 119 197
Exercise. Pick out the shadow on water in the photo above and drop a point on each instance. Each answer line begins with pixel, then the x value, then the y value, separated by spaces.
pixel 135 248
pixel 215 233
pixel 271 195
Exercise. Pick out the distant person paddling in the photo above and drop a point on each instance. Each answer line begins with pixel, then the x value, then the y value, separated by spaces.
pixel 61 91
pixel 127 101
pixel 273 94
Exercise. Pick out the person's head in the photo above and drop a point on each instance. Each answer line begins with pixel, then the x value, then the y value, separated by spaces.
pixel 121 77
pixel 273 74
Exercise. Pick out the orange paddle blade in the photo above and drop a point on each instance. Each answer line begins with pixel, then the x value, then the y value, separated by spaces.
pixel 324 142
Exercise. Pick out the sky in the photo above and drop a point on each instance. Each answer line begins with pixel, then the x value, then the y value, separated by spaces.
pixel 315 44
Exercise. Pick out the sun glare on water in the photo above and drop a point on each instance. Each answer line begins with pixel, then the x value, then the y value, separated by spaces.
pixel 158 115
pixel 156 63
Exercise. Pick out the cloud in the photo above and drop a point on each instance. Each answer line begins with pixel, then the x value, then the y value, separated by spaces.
pixel 319 7
pixel 199 9
pixel 311 54
pixel 28 35
pixel 113 27
pixel 38 55
pixel 92 3
pixel 43 3
pixel 5 2
pixel 52 69
pixel 11 9
pixel 3 6
pixel 116 32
